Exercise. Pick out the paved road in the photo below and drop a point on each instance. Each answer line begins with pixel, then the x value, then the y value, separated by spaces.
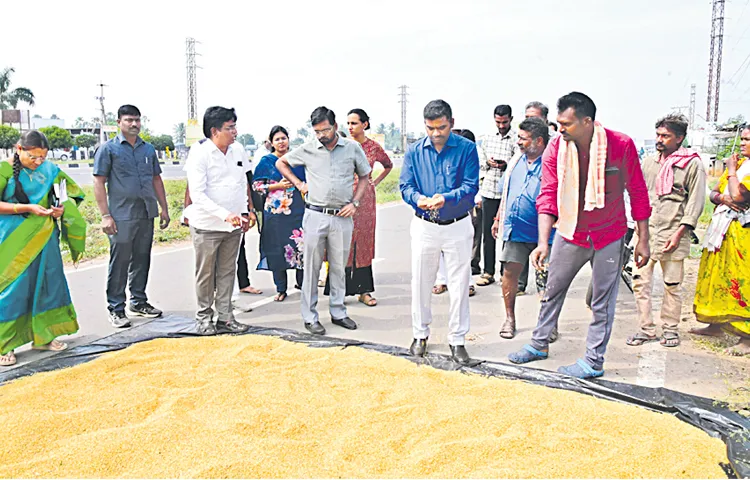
pixel 171 288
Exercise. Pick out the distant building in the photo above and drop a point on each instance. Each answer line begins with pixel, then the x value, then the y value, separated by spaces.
pixel 37 123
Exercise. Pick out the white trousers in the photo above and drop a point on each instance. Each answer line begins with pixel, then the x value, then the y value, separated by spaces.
pixel 428 242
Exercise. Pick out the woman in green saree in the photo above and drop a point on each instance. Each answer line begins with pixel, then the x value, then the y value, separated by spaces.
pixel 35 303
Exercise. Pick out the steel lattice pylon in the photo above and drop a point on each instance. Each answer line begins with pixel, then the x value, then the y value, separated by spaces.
pixel 191 79
pixel 714 63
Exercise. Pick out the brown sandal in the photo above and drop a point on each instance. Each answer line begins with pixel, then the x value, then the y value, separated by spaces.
pixel 508 331
pixel 639 339
pixel 368 300
pixel 8 359
pixel 439 289
pixel 53 346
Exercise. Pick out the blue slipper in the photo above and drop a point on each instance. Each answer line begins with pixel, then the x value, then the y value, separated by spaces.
pixel 527 354
pixel 581 369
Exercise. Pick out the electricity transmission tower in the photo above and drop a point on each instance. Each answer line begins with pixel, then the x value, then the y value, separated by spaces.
pixel 691 111
pixel 714 63
pixel 191 79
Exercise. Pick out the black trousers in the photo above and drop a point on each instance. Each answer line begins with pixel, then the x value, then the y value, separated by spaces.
pixel 490 207
pixel 476 249
pixel 129 262
pixel 243 275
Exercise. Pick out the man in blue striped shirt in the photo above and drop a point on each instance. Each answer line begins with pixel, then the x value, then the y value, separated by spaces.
pixel 439 179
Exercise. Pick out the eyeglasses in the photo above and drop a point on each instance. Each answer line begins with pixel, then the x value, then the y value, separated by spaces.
pixel 323 131
pixel 230 128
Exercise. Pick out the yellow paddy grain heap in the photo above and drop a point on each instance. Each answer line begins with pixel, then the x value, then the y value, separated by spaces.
pixel 255 406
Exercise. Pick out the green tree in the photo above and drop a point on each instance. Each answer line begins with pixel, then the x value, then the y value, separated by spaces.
pixel 246 139
pixel 381 129
pixel 8 136
pixel 297 142
pixel 303 133
pixel 161 142
pixel 9 99
pixel 57 137
pixel 54 117
pixel 180 132
pixel 85 141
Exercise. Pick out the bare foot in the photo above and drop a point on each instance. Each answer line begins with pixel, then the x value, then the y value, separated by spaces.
pixel 709 331
pixel 251 290
pixel 741 349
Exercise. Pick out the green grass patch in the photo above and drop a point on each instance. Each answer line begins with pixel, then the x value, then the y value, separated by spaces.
pixel 708 209
pixel 97 243
pixel 387 191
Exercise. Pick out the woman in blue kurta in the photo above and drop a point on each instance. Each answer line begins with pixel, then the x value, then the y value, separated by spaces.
pixel 284 207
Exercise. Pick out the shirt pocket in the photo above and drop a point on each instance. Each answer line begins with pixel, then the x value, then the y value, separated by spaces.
pixel 123 166
pixel 613 182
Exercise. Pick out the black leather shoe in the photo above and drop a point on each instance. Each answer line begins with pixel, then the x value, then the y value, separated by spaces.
pixel 231 327
pixel 554 335
pixel 315 328
pixel 418 347
pixel 345 322
pixel 205 328
pixel 460 355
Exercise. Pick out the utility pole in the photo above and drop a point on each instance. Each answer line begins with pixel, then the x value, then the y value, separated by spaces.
pixel 192 90
pixel 403 101
pixel 714 63
pixel 102 136
pixel 691 111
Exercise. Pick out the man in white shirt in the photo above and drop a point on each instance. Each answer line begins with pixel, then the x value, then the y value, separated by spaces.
pixel 216 171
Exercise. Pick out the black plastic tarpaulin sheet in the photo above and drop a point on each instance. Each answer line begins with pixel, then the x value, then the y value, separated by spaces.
pixel 709 415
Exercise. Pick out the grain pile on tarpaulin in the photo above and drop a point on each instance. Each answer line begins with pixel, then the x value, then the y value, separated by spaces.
pixel 256 406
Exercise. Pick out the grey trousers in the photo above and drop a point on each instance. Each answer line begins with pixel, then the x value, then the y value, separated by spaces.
pixel 331 236
pixel 129 262
pixel 566 260
pixel 215 270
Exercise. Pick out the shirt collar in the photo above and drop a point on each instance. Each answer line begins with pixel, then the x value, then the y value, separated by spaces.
pixel 121 139
pixel 509 134
pixel 451 142
pixel 340 142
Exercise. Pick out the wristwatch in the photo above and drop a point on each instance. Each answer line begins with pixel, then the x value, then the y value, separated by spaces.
pixel 355 203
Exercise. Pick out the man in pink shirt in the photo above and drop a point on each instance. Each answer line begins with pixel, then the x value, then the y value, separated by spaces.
pixel 591 227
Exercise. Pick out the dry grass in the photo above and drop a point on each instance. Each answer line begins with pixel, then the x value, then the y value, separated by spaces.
pixel 261 407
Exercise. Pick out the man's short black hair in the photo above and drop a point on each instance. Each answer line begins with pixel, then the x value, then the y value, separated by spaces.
pixel 131 110
pixel 503 111
pixel 676 123
pixel 536 127
pixel 581 103
pixel 539 106
pixel 216 117
pixel 438 109
pixel 321 114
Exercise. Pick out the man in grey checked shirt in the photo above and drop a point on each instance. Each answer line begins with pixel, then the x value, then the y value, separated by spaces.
pixel 498 150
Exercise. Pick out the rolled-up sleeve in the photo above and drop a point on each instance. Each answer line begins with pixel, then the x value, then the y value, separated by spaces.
pixel 407 181
pixel 546 202
pixel 640 207
pixel 196 170
pixel 696 187
pixel 469 186
pixel 296 157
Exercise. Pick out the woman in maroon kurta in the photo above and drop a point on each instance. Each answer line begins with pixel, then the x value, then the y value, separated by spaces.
pixel 359 280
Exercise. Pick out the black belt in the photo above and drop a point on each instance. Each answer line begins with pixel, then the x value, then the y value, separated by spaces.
pixel 442 222
pixel 326 210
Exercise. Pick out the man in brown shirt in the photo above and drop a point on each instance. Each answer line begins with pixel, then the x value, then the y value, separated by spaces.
pixel 676 181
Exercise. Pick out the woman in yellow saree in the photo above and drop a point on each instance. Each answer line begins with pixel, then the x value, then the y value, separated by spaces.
pixel 35 303
pixel 723 292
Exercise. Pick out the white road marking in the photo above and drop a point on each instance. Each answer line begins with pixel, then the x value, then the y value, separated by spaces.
pixel 262 302
pixel 652 365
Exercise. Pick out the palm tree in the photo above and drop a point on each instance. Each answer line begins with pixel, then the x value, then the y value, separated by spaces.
pixel 179 132
pixel 9 99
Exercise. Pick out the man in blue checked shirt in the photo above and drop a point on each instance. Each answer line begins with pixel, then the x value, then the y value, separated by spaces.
pixel 439 179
